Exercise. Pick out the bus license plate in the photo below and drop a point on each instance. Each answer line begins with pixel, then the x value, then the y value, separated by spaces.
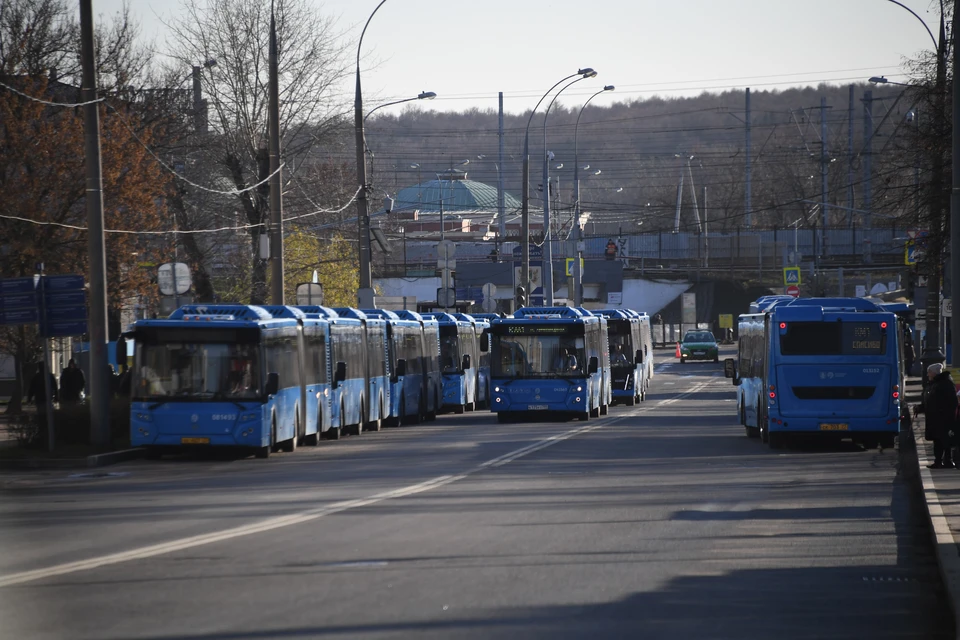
pixel 536 407
pixel 194 440
pixel 834 427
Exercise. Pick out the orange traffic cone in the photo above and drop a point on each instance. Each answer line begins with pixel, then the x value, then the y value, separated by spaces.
pixel 677 355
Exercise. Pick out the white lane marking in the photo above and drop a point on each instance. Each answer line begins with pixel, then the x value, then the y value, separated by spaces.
pixel 680 396
pixel 285 521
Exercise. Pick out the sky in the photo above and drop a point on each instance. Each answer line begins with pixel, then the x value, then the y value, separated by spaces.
pixel 468 51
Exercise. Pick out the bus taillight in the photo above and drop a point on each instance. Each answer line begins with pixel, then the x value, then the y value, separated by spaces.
pixel 896 391
pixel 783 325
pixel 883 325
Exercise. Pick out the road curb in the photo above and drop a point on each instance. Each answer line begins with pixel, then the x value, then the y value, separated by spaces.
pixel 113 457
pixel 945 545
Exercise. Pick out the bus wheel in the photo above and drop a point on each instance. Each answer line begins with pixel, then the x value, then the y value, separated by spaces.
pixel 471 406
pixel 604 409
pixel 396 422
pixel 764 435
pixel 459 408
pixel 752 432
pixel 274 447
pixel 262 453
pixel 583 416
pixel 595 413
pixel 632 400
pixel 357 429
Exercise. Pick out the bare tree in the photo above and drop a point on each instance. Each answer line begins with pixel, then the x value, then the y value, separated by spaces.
pixel 312 59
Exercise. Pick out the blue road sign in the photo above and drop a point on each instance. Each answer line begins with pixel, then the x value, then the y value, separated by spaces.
pixel 56 329
pixel 791 275
pixel 64 309
pixel 18 301
pixel 20 316
pixel 16 285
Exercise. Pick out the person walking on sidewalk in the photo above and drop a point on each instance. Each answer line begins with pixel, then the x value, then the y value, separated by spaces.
pixel 939 405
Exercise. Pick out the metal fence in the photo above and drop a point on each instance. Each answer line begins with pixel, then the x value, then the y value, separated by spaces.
pixel 777 245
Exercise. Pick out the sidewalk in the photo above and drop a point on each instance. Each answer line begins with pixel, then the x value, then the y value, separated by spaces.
pixel 941 492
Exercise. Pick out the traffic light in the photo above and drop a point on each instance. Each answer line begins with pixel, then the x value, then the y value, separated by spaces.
pixel 521 297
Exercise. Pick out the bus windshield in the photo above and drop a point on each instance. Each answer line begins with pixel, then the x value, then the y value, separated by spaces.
pixel 197 371
pixel 449 349
pixel 621 343
pixel 539 355
pixel 832 339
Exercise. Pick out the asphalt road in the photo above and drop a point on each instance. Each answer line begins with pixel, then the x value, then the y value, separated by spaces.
pixel 657 521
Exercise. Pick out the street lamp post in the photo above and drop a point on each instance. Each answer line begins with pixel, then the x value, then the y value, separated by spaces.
pixel 547 243
pixel 577 231
pixel 365 293
pixel 525 192
pixel 931 351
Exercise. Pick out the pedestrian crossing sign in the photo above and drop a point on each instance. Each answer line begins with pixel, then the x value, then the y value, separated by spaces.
pixel 791 275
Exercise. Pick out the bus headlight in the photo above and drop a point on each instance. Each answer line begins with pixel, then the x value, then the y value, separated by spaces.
pixel 579 389
pixel 577 399
pixel 496 389
pixel 499 400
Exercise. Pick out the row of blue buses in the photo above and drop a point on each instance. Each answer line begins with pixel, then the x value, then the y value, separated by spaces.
pixel 464 365
pixel 274 377
pixel 826 366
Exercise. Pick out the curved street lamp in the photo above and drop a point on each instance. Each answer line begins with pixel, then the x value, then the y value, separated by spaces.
pixel 525 197
pixel 426 95
pixel 932 352
pixel 578 233
pixel 365 293
pixel 547 157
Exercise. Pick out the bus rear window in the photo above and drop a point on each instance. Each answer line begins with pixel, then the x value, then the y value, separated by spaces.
pixel 832 339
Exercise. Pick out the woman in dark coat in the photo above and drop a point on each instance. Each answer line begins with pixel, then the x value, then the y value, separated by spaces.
pixel 940 406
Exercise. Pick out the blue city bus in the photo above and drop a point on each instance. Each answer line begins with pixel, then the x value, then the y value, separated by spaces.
pixel 218 375
pixel 628 354
pixel 375 369
pixel 826 366
pixel 430 363
pixel 550 359
pixel 408 398
pixel 480 326
pixel 459 351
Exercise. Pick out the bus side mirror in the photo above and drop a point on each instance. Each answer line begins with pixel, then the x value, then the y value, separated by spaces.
pixel 401 369
pixel 484 342
pixel 594 365
pixel 730 370
pixel 638 359
pixel 466 361
pixel 273 384
pixel 340 374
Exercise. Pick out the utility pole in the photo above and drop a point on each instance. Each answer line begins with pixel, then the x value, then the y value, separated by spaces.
pixel 824 163
pixel 934 257
pixel 96 248
pixel 276 203
pixel 676 222
pixel 867 172
pixel 706 231
pixel 955 201
pixel 850 159
pixel 502 229
pixel 748 171
pixel 525 221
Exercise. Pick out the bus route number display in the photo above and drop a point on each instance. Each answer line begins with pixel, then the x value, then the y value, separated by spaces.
pixel 863 338
pixel 537 330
